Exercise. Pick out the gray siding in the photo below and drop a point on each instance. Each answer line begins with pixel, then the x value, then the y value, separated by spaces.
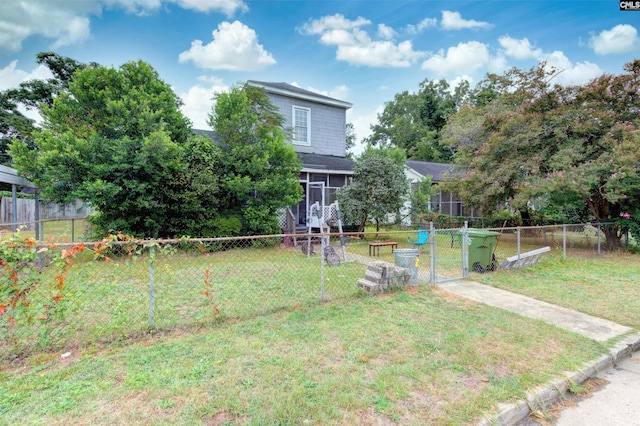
pixel 327 125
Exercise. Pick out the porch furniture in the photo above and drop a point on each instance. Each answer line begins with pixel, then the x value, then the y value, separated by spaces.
pixel 375 247
pixel 419 240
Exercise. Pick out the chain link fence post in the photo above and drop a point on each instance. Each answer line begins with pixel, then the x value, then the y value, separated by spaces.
pixel 564 242
pixel 518 242
pixel 151 287
pixel 322 255
pixel 598 238
pixel 465 250
pixel 433 255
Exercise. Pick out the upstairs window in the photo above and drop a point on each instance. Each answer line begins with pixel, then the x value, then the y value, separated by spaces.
pixel 301 126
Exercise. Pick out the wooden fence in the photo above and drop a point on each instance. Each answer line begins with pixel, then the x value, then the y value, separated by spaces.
pixel 26 211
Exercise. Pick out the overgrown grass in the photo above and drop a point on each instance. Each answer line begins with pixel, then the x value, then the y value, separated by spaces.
pixel 412 357
pixel 123 298
pixel 606 287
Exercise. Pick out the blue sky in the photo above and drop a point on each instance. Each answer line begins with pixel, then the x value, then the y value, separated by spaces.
pixel 362 51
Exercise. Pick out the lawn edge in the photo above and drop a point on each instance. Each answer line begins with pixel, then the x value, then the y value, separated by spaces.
pixel 549 394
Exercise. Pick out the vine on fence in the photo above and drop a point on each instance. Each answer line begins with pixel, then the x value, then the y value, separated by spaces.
pixel 22 261
pixel 33 290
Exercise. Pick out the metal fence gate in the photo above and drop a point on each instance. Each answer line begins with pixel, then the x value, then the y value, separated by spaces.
pixel 449 256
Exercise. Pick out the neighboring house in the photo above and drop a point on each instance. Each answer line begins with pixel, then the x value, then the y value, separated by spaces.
pixel 447 203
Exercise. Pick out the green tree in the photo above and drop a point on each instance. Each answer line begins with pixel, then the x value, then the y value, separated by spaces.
pixel 413 121
pixel 258 170
pixel 379 187
pixel 421 194
pixel 574 150
pixel 115 139
pixel 31 95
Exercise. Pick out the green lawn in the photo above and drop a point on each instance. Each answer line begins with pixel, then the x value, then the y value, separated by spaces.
pixel 274 354
pixel 606 287
pixel 110 301
pixel 411 357
pixel 58 230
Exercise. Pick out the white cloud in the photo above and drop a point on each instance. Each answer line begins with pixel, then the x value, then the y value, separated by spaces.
pixel 580 73
pixel 228 7
pixel 568 73
pixel 356 47
pixel 454 21
pixel 459 79
pixel 380 54
pixel 234 47
pixel 386 32
pixel 145 7
pixel 11 76
pixel 464 58
pixel 199 101
pixel 331 23
pixel 519 49
pixel 425 23
pixel 619 39
pixel 362 125
pixel 67 22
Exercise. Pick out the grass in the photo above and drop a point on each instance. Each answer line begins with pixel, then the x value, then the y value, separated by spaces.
pixel 110 301
pixel 607 287
pixel 413 357
pixel 57 229
pixel 275 355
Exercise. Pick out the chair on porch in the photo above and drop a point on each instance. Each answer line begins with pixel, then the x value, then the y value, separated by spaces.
pixel 419 240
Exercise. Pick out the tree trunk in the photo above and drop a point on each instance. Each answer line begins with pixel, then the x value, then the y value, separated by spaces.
pixel 612 240
pixel 600 208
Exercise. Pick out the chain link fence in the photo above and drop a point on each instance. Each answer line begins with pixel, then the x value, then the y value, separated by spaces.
pixel 62 296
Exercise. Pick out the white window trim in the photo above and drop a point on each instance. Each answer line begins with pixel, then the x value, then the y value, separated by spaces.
pixel 293 121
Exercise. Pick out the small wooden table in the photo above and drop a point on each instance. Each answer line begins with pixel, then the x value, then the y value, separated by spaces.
pixel 375 247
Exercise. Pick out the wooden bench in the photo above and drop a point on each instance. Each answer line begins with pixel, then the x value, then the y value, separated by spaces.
pixel 525 259
pixel 375 247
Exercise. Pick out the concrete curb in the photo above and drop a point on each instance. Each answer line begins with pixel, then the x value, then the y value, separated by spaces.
pixel 546 396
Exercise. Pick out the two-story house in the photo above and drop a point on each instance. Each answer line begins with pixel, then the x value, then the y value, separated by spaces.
pixel 318 134
pixel 317 124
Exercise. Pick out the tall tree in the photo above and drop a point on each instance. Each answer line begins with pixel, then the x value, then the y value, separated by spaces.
pixel 114 138
pixel 31 95
pixel 259 171
pixel 379 187
pixel 413 121
pixel 537 146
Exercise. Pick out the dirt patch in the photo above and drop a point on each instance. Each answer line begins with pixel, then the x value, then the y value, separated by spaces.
pixel 219 419
pixel 454 298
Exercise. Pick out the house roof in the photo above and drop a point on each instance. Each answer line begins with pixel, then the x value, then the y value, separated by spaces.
pixel 318 163
pixel 10 175
pixel 289 90
pixel 426 168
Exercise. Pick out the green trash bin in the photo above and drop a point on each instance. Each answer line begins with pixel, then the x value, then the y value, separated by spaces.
pixel 483 243
pixel 408 258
